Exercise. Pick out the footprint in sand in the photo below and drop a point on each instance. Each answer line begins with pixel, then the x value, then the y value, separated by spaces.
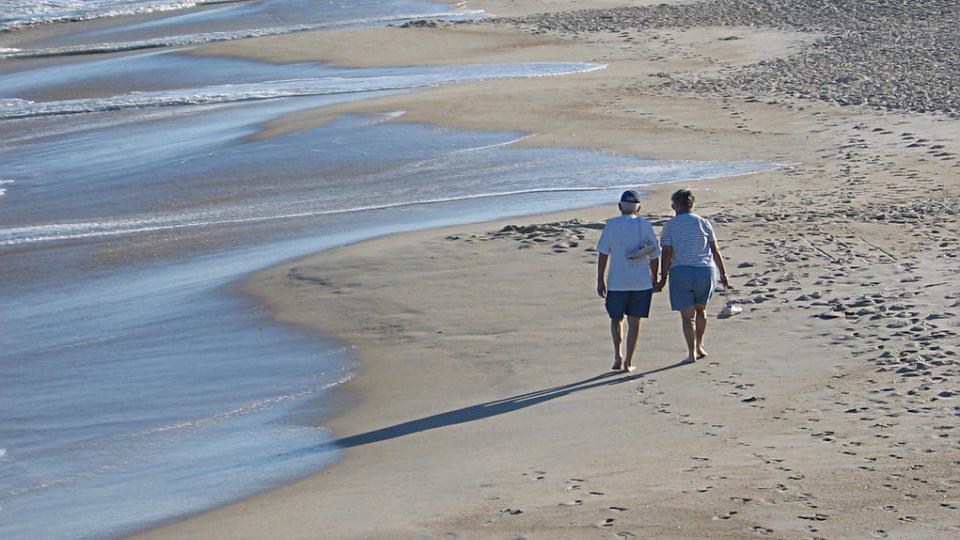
pixel 537 475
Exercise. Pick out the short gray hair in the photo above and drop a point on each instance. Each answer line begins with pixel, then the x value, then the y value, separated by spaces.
pixel 630 207
pixel 683 198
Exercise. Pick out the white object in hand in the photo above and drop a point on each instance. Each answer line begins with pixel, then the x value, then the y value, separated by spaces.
pixel 644 251
pixel 729 310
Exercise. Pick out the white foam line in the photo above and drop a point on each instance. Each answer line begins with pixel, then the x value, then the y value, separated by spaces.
pixel 153 7
pixel 93 124
pixel 14 102
pixel 253 407
pixel 491 146
pixel 386 117
pixel 199 96
pixel 60 232
pixel 314 86
pixel 185 40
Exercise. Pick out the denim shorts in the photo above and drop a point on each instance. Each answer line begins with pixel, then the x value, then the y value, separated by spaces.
pixel 632 303
pixel 691 286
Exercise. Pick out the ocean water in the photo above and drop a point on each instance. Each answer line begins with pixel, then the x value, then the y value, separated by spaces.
pixel 136 384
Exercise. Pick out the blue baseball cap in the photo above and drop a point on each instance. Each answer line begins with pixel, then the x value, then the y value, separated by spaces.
pixel 630 196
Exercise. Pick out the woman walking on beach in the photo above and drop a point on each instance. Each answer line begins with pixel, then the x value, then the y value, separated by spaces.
pixel 690 259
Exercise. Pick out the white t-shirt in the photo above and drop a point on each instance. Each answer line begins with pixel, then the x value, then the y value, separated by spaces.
pixel 621 236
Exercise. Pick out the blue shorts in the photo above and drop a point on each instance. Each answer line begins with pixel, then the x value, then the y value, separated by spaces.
pixel 691 286
pixel 632 303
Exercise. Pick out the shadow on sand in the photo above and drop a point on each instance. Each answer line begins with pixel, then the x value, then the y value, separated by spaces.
pixel 477 412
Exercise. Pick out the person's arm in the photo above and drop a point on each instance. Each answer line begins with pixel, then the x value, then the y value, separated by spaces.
pixel 665 258
pixel 601 271
pixel 651 237
pixel 718 260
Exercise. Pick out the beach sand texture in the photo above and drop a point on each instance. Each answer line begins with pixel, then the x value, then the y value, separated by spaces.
pixel 484 408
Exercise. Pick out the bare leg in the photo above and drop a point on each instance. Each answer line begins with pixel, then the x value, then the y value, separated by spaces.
pixel 689 332
pixel 701 328
pixel 616 332
pixel 633 333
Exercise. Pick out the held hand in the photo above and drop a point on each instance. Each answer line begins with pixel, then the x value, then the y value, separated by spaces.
pixel 601 289
pixel 659 286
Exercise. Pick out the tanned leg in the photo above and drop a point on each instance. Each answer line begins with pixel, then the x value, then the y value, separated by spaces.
pixel 687 318
pixel 616 332
pixel 701 328
pixel 633 333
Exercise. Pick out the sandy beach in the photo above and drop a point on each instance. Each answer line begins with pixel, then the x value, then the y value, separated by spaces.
pixel 484 407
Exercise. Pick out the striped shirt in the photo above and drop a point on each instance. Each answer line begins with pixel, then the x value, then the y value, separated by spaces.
pixel 689 235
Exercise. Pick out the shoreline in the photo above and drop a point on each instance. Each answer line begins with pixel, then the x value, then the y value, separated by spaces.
pixel 657 125
pixel 447 435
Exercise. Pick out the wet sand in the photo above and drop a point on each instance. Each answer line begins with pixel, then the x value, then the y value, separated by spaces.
pixel 484 408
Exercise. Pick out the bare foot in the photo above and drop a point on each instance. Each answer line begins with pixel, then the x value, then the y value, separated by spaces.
pixel 701 353
pixel 690 360
pixel 630 368
pixel 617 366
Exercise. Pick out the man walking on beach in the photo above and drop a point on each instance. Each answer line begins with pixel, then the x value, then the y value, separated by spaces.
pixel 690 258
pixel 629 244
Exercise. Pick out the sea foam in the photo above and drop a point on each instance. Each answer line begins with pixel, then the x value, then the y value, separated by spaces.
pixel 21 13
pixel 189 40
pixel 311 86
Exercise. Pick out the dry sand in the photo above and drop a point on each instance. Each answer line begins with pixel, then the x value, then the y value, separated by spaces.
pixel 483 408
